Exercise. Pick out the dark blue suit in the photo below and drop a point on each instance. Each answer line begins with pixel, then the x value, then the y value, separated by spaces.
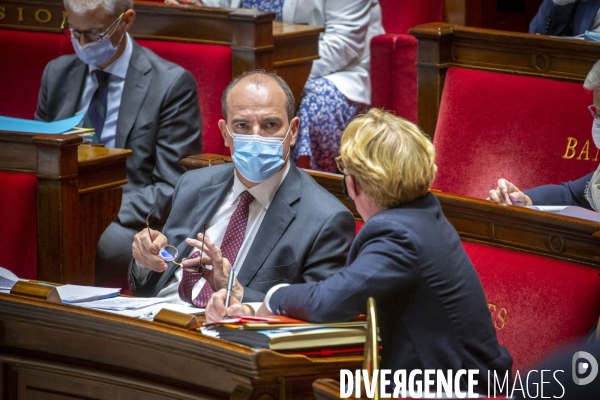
pixel 568 20
pixel 570 193
pixel 431 307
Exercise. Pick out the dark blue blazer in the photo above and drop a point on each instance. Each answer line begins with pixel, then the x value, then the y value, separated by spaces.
pixel 431 307
pixel 568 20
pixel 570 193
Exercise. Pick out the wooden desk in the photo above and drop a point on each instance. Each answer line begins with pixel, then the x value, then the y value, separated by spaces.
pixel 79 195
pixel 51 351
pixel 256 41
pixel 326 389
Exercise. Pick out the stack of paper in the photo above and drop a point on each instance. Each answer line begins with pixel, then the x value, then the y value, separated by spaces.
pixel 70 294
pixel 7 280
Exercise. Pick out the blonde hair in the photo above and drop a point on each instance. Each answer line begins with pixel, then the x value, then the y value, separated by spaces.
pixel 390 158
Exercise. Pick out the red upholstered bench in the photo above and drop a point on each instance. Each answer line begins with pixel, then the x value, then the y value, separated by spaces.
pixel 393 55
pixel 18 236
pixel 530 130
pixel 536 303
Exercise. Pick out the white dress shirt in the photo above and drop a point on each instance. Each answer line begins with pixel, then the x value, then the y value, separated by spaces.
pixel 263 193
pixel 116 82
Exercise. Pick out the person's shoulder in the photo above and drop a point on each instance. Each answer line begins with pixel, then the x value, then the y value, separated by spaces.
pixel 66 62
pixel 201 175
pixel 158 63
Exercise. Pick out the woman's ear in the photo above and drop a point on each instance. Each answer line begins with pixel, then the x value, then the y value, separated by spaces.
pixel 353 187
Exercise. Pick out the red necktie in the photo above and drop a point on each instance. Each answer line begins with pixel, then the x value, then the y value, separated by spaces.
pixel 232 241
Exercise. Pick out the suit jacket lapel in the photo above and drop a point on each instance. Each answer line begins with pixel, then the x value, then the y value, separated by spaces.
pixel 137 82
pixel 74 85
pixel 209 200
pixel 278 217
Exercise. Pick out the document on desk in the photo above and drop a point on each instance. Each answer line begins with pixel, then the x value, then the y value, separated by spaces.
pixel 70 294
pixel 32 126
pixel 7 280
pixel 570 211
pixel 138 307
pixel 121 303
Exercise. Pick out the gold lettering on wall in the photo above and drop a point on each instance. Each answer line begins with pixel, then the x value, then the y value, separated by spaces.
pixel 43 16
pixel 20 10
pixel 570 152
pixel 586 150
pixel 596 158
pixel 502 316
pixel 2 12
pixel 498 315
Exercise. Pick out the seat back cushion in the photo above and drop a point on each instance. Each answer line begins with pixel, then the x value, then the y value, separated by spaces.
pixel 536 303
pixel 398 16
pixel 18 236
pixel 531 131
pixel 25 54
pixel 394 74
pixel 211 66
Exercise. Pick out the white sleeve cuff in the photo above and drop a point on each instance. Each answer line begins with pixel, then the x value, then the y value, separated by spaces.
pixel 564 2
pixel 140 272
pixel 270 293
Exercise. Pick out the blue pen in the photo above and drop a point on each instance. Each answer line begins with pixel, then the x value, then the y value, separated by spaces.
pixel 229 286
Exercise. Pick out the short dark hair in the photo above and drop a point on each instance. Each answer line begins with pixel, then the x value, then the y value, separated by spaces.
pixel 290 105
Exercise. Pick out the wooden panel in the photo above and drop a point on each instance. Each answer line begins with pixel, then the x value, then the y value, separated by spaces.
pixel 62 350
pixel 79 195
pixel 443 45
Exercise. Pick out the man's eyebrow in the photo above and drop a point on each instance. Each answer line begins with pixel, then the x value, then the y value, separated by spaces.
pixel 237 120
pixel 272 119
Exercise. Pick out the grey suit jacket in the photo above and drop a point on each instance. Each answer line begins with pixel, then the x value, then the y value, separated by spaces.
pixel 159 120
pixel 304 237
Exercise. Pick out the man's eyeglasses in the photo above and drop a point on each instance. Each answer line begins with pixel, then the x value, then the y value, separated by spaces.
pixel 340 164
pixel 89 36
pixel 594 112
pixel 170 253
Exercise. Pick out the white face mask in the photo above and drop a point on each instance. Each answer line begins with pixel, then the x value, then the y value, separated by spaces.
pixel 596 132
pixel 96 53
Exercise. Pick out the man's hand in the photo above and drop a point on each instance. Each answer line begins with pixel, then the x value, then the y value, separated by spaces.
pixel 215 309
pixel 221 267
pixel 184 2
pixel 507 193
pixel 145 249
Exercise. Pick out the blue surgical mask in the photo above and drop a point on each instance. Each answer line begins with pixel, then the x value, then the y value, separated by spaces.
pixel 257 158
pixel 96 53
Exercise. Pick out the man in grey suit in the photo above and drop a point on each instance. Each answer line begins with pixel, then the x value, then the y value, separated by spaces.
pixel 150 106
pixel 295 231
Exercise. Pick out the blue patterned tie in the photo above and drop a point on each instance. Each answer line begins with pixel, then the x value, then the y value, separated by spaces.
pixel 96 113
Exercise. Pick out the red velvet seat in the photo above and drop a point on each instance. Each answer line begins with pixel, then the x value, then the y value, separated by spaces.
pixel 18 236
pixel 25 54
pixel 212 78
pixel 496 125
pixel 536 303
pixel 393 55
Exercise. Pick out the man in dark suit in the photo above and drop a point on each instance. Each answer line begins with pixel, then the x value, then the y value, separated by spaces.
pixel 150 106
pixel 565 17
pixel 432 311
pixel 295 231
